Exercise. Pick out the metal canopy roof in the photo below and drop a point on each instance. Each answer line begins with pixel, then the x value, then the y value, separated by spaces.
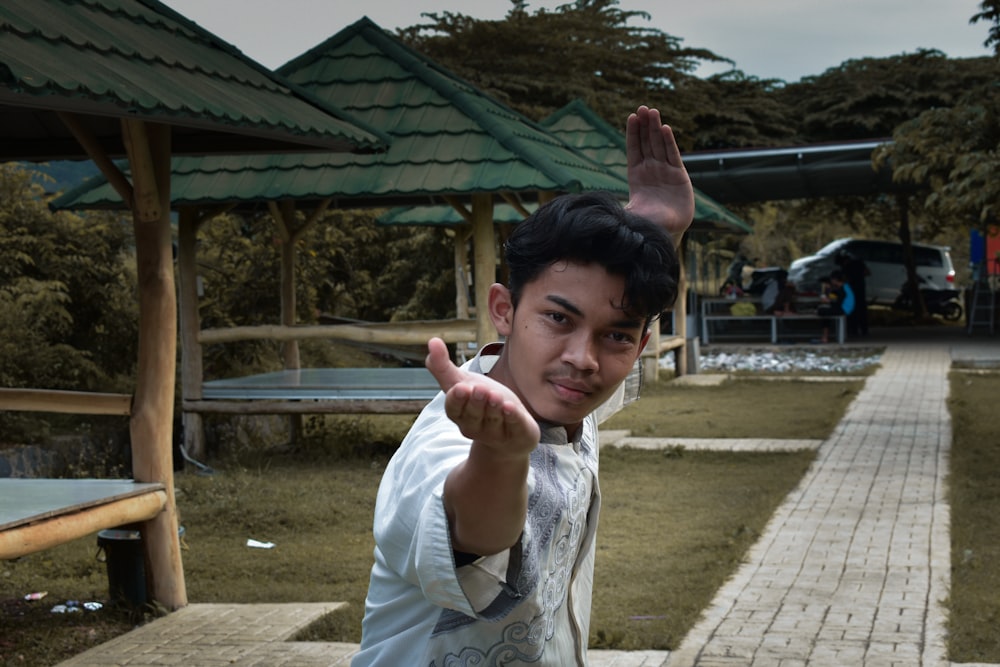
pixel 104 60
pixel 796 172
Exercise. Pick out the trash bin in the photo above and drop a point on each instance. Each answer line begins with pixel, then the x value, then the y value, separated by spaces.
pixel 122 550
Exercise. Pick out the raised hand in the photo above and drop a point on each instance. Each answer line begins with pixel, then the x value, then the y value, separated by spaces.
pixel 485 411
pixel 659 186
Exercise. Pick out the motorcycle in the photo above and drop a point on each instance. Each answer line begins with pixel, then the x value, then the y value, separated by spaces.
pixel 944 302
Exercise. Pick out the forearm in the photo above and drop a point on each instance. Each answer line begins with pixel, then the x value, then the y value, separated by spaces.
pixel 486 498
pixel 658 215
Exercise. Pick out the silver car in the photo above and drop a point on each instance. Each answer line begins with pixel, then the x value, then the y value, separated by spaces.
pixel 885 264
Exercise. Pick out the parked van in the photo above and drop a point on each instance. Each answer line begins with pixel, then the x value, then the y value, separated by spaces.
pixel 885 264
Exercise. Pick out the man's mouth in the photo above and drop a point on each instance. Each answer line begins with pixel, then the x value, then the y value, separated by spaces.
pixel 574 392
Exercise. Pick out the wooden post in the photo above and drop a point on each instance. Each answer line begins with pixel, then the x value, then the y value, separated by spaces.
pixel 485 257
pixel 680 312
pixel 461 273
pixel 151 425
pixel 192 373
pixel 284 219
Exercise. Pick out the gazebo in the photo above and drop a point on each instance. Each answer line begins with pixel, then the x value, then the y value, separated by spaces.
pixel 132 78
pixel 451 145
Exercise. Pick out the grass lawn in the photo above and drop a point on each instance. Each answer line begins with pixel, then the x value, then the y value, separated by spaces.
pixel 674 527
pixel 974 490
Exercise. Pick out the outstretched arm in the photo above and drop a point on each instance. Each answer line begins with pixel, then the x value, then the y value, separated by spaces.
pixel 485 496
pixel 659 186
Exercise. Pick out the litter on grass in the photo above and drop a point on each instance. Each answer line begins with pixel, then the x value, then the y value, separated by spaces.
pixel 256 544
pixel 74 606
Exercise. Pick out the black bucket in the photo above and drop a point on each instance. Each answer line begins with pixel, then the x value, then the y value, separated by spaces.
pixel 122 549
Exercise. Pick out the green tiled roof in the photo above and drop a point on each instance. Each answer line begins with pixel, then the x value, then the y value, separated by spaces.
pixel 578 125
pixel 442 215
pixel 447 138
pixel 108 59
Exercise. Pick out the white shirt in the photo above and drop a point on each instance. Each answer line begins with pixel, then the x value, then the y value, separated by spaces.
pixel 527 605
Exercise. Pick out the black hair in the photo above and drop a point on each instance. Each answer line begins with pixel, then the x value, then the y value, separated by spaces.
pixel 594 228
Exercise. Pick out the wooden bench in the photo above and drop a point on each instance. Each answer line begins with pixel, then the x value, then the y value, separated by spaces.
pixel 719 310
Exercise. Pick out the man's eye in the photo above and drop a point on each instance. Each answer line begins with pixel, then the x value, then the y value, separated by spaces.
pixel 557 317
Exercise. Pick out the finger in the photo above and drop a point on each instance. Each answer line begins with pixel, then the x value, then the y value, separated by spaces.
pixel 658 149
pixel 439 364
pixel 633 147
pixel 645 147
pixel 673 151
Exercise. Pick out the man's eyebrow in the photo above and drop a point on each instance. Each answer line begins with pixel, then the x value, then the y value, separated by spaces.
pixel 624 323
pixel 563 303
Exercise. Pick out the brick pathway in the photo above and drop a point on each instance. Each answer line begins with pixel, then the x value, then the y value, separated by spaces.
pixel 853 566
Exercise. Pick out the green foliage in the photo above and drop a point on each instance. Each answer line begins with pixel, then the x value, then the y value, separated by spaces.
pixel 68 314
pixel 347 266
pixel 990 11
pixel 869 97
pixel 732 110
pixel 974 497
pixel 538 62
pixel 951 155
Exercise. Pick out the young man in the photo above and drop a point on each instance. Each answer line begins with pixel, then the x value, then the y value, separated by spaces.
pixel 486 516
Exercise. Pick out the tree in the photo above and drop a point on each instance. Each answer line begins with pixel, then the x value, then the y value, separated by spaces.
pixel 68 312
pixel 733 110
pixel 348 266
pixel 540 62
pixel 990 11
pixel 952 155
pixel 869 97
pixel 67 294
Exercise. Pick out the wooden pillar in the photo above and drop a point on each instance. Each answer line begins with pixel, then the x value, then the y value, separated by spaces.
pixel 485 258
pixel 284 219
pixel 680 314
pixel 192 373
pixel 151 426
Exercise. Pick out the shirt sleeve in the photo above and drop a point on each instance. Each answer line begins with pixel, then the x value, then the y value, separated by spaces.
pixel 411 525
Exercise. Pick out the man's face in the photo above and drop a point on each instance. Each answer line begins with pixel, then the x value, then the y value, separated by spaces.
pixel 568 344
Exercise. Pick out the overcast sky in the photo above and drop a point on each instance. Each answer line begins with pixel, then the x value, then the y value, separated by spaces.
pixel 781 39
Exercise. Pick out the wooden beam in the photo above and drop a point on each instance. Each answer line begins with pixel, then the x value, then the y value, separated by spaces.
pixel 93 147
pixel 485 265
pixel 308 407
pixel 394 333
pixel 67 402
pixel 459 207
pixel 515 203
pixel 24 540
pixel 147 204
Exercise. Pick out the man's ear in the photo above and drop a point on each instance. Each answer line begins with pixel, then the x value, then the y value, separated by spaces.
pixel 501 305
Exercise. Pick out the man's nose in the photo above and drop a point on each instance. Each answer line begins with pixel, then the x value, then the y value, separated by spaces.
pixel 581 352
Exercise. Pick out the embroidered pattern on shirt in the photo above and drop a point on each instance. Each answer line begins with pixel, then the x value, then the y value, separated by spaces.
pixel 558 518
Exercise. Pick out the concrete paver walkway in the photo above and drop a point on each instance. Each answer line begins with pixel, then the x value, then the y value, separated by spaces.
pixel 854 565
pixel 852 569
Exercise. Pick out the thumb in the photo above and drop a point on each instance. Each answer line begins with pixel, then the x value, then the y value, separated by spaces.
pixel 439 364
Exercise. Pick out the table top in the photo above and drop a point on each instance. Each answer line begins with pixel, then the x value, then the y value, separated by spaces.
pixel 328 384
pixel 24 501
